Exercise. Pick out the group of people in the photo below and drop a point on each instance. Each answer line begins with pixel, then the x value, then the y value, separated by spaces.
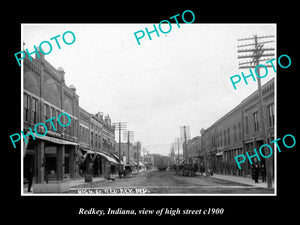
pixel 255 172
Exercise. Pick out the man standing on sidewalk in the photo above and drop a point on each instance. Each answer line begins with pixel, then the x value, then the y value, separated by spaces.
pixel 263 172
pixel 256 172
pixel 29 178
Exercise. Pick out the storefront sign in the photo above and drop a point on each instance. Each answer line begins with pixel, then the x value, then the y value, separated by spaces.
pixel 36 133
pixel 56 140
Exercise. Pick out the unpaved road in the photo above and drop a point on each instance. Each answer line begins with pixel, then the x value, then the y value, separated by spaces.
pixel 168 182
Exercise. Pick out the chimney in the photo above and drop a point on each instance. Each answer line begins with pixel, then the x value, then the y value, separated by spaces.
pixel 61 71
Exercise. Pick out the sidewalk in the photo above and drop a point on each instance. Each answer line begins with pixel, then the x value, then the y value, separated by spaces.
pixel 243 180
pixel 73 182
pixel 80 181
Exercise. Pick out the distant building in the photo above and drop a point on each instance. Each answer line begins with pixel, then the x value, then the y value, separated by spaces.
pixel 125 153
pixel 193 150
pixel 148 161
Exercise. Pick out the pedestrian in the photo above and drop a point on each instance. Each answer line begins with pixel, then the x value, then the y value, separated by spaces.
pixel 263 172
pixel 201 169
pixel 252 171
pixel 29 178
pixel 90 168
pixel 256 172
pixel 46 176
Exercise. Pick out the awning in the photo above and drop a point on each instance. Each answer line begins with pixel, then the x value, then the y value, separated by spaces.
pixel 56 140
pixel 219 153
pixel 109 158
pixel 117 158
pixel 115 155
pixel 132 163
pixel 141 164
pixel 106 156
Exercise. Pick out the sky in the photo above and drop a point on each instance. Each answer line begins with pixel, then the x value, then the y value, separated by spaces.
pixel 177 79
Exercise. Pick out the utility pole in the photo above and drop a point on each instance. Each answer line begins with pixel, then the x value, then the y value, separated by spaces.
pixel 185 147
pixel 257 53
pixel 120 126
pixel 138 146
pixel 177 140
pixel 129 136
pixel 185 134
pixel 144 158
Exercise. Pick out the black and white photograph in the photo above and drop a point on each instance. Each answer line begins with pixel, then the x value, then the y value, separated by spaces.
pixel 174 108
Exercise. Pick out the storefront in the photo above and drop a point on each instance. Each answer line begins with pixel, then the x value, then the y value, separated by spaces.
pixel 51 159
pixel 97 163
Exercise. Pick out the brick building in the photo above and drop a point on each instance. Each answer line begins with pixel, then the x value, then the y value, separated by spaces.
pixel 194 150
pixel 64 152
pixel 45 96
pixel 238 132
pixel 96 138
pixel 148 160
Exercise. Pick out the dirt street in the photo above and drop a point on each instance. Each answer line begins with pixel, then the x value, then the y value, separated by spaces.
pixel 168 182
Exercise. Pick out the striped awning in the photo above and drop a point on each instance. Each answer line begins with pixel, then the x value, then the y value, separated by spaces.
pixel 109 158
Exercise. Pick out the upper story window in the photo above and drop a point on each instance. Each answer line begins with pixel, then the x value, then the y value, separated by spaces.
pixel 271 116
pixel 26 107
pixel 228 133
pixel 234 132
pixel 256 123
pixel 34 110
pixel 240 130
pixel 246 125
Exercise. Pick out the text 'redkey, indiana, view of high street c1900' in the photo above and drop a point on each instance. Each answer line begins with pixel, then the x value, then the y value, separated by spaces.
pixel 105 115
